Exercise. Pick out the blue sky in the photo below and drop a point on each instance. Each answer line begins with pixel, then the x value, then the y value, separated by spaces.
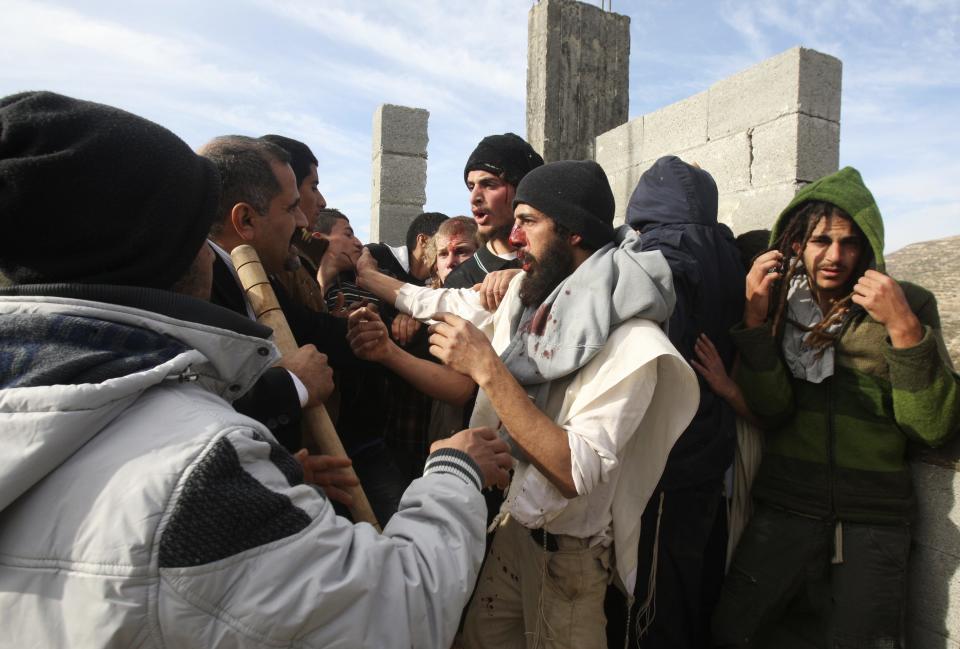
pixel 317 69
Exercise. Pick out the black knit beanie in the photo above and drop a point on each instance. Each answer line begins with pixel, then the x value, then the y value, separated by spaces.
pixel 507 155
pixel 301 157
pixel 574 193
pixel 95 195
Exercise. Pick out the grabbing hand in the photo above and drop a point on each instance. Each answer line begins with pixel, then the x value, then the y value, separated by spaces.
pixel 494 287
pixel 404 328
pixel 310 366
pixel 367 335
pixel 327 472
pixel 490 453
pixel 765 271
pixel 710 367
pixel 365 264
pixel 884 300
pixel 460 345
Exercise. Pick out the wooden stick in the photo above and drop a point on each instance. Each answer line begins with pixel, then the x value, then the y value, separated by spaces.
pixel 267 309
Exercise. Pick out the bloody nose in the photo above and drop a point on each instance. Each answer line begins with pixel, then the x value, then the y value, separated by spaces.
pixel 517 238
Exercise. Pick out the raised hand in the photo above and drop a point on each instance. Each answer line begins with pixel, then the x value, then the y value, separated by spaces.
pixel 494 287
pixel 460 345
pixel 403 328
pixel 884 300
pixel 311 368
pixel 766 269
pixel 367 335
pixel 326 471
pixel 490 453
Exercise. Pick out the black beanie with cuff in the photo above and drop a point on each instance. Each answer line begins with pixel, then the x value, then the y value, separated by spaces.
pixel 93 194
pixel 508 156
pixel 574 193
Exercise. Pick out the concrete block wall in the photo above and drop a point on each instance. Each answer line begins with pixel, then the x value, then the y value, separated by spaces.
pixel 761 133
pixel 933 599
pixel 399 171
pixel 578 77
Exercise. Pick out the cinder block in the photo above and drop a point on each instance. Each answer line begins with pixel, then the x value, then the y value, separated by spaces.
pixel 820 85
pixel 399 129
pixel 621 147
pixel 818 148
pixel 757 95
pixel 389 222
pixel 676 127
pixel 933 591
pixel 727 160
pixel 938 507
pixel 755 208
pixel 577 76
pixel 794 147
pixel 399 179
pixel 622 183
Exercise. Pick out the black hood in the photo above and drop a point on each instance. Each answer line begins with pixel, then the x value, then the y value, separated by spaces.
pixel 675 209
pixel 673 192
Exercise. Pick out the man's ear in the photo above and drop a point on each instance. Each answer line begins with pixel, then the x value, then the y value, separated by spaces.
pixel 422 241
pixel 796 248
pixel 575 240
pixel 241 218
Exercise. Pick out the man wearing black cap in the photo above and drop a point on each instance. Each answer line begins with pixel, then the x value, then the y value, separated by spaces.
pixel 492 173
pixel 137 507
pixel 576 373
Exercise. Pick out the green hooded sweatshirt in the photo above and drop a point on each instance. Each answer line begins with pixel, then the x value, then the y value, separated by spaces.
pixel 837 449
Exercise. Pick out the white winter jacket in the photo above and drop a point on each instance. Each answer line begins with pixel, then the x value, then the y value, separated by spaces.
pixel 143 511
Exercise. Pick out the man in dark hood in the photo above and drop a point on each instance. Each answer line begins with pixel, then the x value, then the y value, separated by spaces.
pixel 674 208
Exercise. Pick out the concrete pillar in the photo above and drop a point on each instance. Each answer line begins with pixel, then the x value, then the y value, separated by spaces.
pixel 399 171
pixel 578 77
pixel 762 133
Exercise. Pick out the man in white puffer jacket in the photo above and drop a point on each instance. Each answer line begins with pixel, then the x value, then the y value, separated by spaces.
pixel 137 508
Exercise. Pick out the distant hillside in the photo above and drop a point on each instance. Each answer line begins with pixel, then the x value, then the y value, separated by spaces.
pixel 935 265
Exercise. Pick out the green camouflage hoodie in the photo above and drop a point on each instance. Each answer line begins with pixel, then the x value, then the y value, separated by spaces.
pixel 837 449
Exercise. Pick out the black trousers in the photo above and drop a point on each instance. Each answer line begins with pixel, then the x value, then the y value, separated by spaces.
pixel 783 565
pixel 690 558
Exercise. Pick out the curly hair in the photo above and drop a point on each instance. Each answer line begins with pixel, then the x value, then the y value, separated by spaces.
pixel 791 243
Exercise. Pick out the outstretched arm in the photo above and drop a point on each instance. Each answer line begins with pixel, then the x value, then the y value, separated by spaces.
pixel 464 348
pixel 369 340
pixel 710 366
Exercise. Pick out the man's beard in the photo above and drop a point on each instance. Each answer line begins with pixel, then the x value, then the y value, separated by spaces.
pixel 501 233
pixel 292 262
pixel 545 275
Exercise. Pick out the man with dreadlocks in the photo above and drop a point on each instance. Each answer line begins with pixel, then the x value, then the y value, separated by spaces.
pixel 843 365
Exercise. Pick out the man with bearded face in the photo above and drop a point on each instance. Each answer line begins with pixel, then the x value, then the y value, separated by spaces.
pixel 577 375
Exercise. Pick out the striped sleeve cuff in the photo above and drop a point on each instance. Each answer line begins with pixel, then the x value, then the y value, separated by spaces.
pixel 458 463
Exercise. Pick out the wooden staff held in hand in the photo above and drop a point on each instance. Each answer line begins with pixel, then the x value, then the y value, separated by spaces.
pixel 267 309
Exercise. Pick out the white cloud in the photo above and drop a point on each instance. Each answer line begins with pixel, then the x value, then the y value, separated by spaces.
pixel 467 49
pixel 60 46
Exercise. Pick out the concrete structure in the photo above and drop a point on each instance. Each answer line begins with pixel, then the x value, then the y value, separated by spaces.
pixel 399 171
pixel 578 77
pixel 934 590
pixel 762 133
